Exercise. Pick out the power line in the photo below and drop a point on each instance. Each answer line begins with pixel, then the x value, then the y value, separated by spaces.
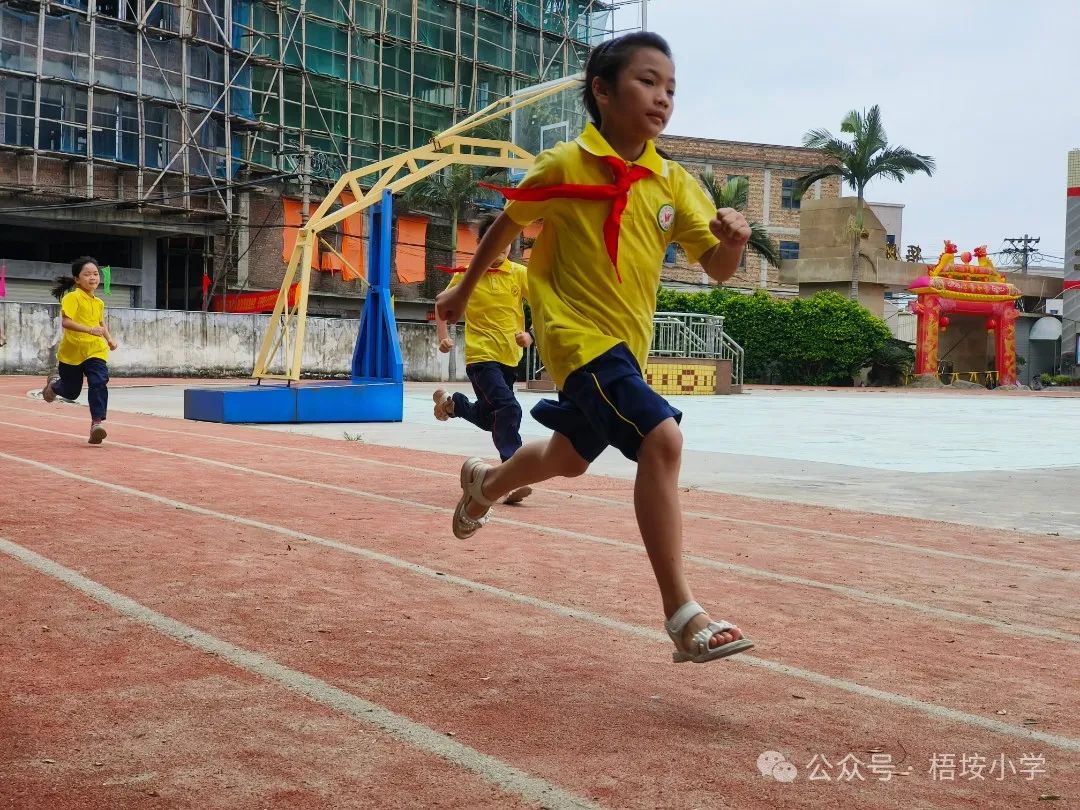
pixel 1026 248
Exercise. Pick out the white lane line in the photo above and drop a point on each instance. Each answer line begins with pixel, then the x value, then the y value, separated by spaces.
pixel 492 770
pixel 929 709
pixel 689 513
pixel 1011 628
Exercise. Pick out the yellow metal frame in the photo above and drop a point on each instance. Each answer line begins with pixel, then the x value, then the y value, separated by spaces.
pixel 288 323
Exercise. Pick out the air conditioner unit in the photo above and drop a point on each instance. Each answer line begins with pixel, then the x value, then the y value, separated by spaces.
pixel 1055 306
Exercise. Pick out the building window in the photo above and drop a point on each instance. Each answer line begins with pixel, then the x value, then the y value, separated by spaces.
pixel 63 119
pixel 789 250
pixel 18 119
pixel 121 9
pixel 787 196
pixel 671 254
pixel 116 128
pixel 158 151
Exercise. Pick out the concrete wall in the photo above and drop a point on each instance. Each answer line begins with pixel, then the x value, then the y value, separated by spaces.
pixel 902 323
pixel 966 346
pixel 170 343
pixel 870 295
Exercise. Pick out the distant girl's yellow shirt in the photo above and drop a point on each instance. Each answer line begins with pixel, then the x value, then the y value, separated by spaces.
pixel 77 347
pixel 495 315
pixel 580 310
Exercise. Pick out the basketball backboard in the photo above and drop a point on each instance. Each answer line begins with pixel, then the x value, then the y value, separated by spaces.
pixel 551 120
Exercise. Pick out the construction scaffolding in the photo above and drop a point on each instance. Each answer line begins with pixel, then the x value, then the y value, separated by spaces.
pixel 172 105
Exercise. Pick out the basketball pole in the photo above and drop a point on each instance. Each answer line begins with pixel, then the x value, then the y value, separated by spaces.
pixel 393 174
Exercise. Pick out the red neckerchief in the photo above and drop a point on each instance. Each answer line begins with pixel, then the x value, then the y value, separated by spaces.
pixel 618 192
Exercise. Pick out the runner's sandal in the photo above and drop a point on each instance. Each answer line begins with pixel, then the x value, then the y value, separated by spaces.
pixel 473 472
pixel 700 651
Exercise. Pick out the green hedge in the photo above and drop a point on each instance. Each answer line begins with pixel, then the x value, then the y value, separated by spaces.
pixel 1058 379
pixel 824 340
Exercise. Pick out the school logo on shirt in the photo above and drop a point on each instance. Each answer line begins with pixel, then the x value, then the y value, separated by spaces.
pixel 665 217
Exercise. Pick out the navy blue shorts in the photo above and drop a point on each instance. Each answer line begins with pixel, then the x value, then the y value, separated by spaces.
pixel 606 402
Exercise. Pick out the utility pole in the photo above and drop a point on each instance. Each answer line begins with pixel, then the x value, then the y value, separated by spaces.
pixel 1026 248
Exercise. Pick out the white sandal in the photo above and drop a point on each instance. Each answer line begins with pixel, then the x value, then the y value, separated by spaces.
pixel 473 472
pixel 700 651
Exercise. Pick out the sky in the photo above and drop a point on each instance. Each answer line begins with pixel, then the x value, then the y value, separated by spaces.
pixel 990 89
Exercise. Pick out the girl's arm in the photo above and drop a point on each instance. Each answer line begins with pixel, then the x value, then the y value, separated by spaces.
pixel 108 335
pixel 731 228
pixel 722 261
pixel 445 343
pixel 75 326
pixel 450 305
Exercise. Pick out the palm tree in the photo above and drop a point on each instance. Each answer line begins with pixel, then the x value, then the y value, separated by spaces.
pixel 451 191
pixel 734 193
pixel 867 156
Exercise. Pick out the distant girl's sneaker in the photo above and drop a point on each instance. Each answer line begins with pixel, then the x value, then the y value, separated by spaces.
pixel 48 393
pixel 97 433
pixel 444 405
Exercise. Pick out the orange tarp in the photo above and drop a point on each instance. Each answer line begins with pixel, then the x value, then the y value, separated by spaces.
pixel 352 241
pixel 466 244
pixel 409 253
pixel 291 229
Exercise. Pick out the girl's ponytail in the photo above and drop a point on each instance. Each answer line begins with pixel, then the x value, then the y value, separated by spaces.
pixel 64 285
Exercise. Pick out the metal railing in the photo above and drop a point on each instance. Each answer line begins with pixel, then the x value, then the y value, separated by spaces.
pixel 686 334
pixel 678 334
pixel 534 366
pixel 737 355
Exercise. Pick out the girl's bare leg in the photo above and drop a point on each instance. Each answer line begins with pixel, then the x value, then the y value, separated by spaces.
pixel 534 462
pixel 659 517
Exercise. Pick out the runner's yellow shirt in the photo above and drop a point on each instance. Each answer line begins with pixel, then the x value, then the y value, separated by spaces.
pixel 580 309
pixel 494 315
pixel 76 347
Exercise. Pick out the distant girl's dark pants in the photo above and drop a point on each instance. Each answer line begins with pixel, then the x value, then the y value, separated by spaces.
pixel 96 372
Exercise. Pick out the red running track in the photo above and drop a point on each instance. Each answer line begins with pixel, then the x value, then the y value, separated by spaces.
pixel 200 615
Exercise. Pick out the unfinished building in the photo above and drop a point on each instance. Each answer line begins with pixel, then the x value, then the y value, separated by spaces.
pixel 178 140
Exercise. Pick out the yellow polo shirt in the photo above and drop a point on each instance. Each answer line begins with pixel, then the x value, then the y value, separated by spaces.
pixel 88 310
pixel 494 315
pixel 579 308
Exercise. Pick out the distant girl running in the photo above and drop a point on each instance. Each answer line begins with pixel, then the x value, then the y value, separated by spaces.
pixel 84 348
pixel 610 205
pixel 494 338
